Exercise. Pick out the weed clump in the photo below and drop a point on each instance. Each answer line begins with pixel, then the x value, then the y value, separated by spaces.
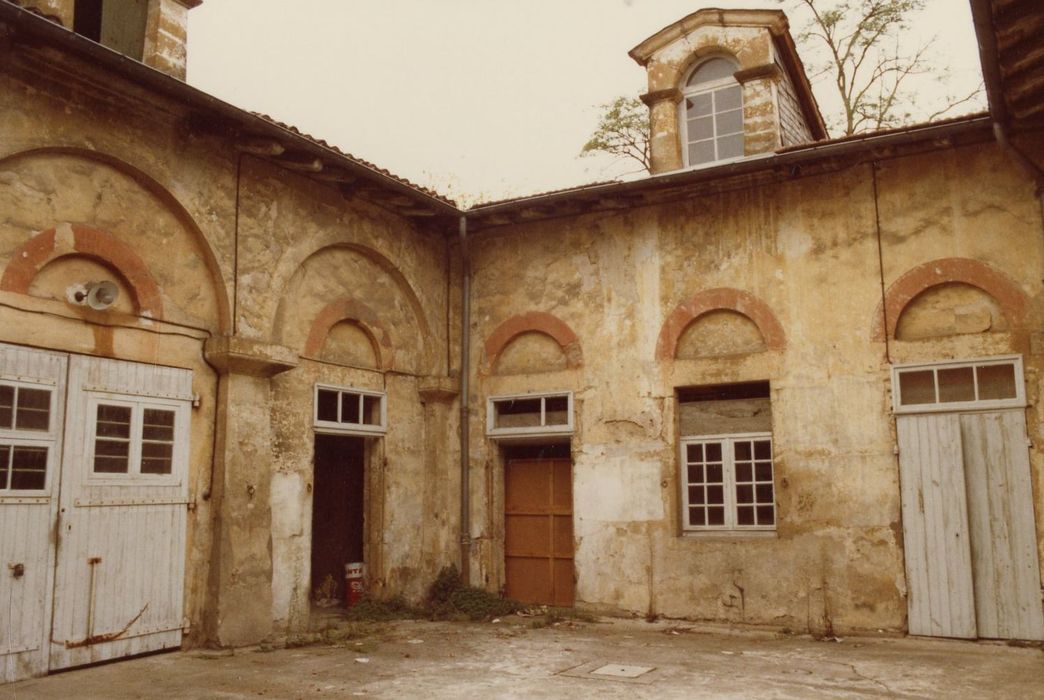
pixel 374 610
pixel 449 599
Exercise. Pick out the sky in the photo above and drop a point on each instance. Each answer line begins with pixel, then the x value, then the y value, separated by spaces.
pixel 478 99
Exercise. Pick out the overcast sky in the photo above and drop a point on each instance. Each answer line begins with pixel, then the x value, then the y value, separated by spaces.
pixel 489 98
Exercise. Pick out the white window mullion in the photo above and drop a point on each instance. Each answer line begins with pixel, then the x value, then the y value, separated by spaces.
pixel 728 466
pixel 135 440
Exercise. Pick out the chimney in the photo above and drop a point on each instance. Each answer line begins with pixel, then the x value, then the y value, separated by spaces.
pixel 154 32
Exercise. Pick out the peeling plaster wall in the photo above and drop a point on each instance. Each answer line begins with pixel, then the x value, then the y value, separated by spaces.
pixel 807 249
pixel 134 167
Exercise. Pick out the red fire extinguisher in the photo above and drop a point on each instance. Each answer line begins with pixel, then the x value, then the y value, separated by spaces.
pixel 353 574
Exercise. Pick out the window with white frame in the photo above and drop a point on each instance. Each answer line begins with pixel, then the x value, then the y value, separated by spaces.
pixel 350 411
pixel 725 462
pixel 955 385
pixel 530 414
pixel 135 437
pixel 27 435
pixel 712 113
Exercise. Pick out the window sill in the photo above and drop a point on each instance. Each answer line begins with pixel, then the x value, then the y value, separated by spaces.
pixel 729 535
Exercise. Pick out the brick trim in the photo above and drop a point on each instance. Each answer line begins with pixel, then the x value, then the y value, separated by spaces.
pixel 721 298
pixel 532 322
pixel 40 250
pixel 362 315
pixel 906 288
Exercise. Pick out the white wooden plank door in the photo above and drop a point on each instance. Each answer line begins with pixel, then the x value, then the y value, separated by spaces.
pixel 122 512
pixel 1003 539
pixel 940 594
pixel 32 385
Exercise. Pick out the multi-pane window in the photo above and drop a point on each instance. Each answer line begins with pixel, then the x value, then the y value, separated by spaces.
pixel 726 474
pixel 133 438
pixel 727 483
pixel 26 436
pixel 947 386
pixel 530 414
pixel 712 113
pixel 349 410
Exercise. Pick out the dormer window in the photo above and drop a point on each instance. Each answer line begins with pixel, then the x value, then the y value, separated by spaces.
pixel 712 113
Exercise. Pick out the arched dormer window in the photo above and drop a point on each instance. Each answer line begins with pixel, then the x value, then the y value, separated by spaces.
pixel 712 113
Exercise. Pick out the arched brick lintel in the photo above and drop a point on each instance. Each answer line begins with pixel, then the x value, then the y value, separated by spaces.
pixel 533 322
pixel 346 309
pixel 1011 299
pixel 45 247
pixel 719 299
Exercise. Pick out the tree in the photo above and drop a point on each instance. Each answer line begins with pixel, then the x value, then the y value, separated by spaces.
pixel 863 48
pixel 623 131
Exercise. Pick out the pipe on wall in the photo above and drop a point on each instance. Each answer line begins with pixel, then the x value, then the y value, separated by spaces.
pixel 465 405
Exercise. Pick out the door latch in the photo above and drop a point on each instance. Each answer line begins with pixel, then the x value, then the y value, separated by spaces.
pixel 17 570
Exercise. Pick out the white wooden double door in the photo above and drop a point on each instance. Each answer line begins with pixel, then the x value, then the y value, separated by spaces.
pixel 968 525
pixel 93 499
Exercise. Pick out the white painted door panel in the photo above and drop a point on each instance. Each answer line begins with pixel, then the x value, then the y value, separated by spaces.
pixel 1000 513
pixel 935 526
pixel 27 514
pixel 120 566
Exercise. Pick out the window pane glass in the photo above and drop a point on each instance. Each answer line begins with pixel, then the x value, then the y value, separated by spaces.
pixel 350 408
pixel 762 449
pixel 5 464
pixel 730 146
pixel 714 69
pixel 697 516
pixel 157 457
pixel 158 424
pixel 702 152
pixel 698 105
pixel 113 421
pixel 696 495
pixel 763 471
pixel 34 409
pixel 716 516
pixel 956 384
pixel 742 450
pixel 745 515
pixel 714 474
pixel 766 515
pixel 743 471
pixel 916 387
pixel 715 494
pixel 728 98
pixel 29 468
pixel 695 454
pixel 6 405
pixel 744 493
pixel 517 413
pixel 371 410
pixel 996 381
pixel 111 456
pixel 714 452
pixel 695 474
pixel 326 405
pixel 700 129
pixel 556 410
pixel 730 122
pixel 764 493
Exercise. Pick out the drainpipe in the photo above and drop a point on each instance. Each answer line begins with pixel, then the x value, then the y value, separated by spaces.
pixel 465 364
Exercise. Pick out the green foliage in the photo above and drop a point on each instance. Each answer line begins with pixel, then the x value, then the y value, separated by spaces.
pixel 381 610
pixel 449 599
pixel 623 130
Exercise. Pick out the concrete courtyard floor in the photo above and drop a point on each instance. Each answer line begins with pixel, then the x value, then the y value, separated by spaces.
pixel 528 658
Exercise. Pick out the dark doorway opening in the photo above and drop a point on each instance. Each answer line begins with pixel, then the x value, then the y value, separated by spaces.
pixel 337 512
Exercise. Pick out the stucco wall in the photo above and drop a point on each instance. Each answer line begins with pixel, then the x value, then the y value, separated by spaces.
pixel 808 250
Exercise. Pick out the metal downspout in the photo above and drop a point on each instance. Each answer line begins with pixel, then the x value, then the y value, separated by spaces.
pixel 465 404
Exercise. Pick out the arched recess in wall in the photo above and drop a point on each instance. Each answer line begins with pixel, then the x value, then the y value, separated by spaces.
pixel 724 310
pixel 38 166
pixel 951 276
pixel 351 283
pixel 543 343
pixel 349 332
pixel 69 242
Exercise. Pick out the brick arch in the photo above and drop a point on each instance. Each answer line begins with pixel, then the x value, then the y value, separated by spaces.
pixel 163 195
pixel 363 316
pixel 1009 296
pixel 26 262
pixel 720 299
pixel 532 322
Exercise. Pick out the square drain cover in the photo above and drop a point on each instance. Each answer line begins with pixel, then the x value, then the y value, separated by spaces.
pixel 621 671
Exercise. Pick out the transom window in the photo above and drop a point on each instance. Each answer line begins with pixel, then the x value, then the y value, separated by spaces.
pixel 712 113
pixel 725 458
pixel 349 411
pixel 132 438
pixel 530 414
pixel 26 436
pixel 948 386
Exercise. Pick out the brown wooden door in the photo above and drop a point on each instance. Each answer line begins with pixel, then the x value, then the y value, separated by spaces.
pixel 538 524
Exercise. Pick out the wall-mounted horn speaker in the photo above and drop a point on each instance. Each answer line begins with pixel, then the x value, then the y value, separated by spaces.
pixel 101 295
